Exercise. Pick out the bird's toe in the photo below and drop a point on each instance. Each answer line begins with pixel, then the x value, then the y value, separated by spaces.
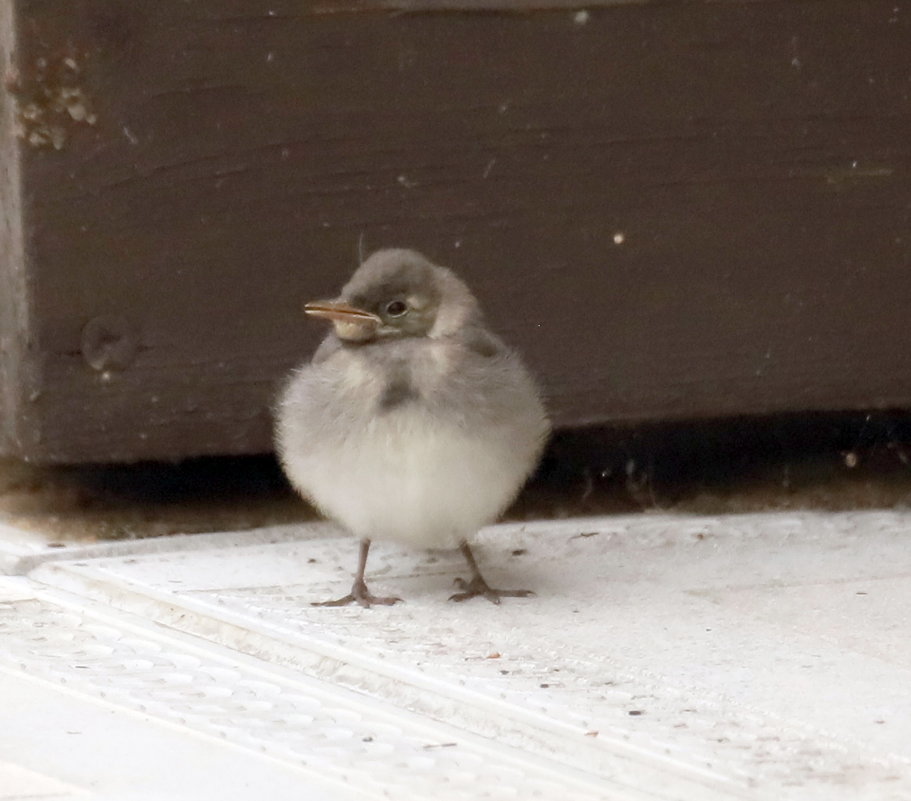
pixel 478 587
pixel 362 596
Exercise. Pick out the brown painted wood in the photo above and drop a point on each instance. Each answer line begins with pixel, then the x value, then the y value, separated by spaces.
pixel 446 6
pixel 677 210
pixel 15 364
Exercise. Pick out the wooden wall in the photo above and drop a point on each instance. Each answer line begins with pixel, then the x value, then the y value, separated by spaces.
pixel 677 209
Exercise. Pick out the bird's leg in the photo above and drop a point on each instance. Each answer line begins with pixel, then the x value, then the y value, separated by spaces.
pixel 359 593
pixel 478 586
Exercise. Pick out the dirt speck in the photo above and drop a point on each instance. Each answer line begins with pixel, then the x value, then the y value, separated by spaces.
pixel 50 99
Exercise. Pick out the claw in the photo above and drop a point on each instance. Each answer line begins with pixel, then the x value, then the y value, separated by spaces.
pixel 360 595
pixel 478 587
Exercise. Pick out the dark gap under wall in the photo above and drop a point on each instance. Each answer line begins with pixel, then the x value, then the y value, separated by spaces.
pixel 827 461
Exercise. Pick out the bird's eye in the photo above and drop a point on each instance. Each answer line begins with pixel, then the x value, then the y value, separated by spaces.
pixel 396 308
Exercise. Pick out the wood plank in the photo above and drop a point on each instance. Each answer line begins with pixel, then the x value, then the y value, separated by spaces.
pixel 677 210
pixel 16 370
pixel 486 6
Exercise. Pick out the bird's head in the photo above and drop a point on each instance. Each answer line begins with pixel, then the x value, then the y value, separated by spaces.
pixel 398 293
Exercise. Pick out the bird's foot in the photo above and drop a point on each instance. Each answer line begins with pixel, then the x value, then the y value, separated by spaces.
pixel 360 595
pixel 478 587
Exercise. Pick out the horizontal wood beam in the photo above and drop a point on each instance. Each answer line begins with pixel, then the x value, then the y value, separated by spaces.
pixel 677 210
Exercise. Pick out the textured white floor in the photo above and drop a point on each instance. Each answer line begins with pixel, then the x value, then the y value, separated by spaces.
pixel 664 657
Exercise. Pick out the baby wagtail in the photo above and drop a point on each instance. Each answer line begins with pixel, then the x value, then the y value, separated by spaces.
pixel 412 422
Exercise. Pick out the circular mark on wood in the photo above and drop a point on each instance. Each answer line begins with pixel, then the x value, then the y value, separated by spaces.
pixel 109 342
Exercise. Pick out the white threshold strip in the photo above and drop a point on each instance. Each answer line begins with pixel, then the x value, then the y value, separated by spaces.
pixel 18 783
pixel 664 657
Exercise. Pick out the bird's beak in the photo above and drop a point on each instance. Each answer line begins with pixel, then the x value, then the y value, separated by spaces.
pixel 350 322
pixel 340 311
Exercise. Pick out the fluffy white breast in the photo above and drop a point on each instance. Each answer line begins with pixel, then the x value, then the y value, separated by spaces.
pixel 416 473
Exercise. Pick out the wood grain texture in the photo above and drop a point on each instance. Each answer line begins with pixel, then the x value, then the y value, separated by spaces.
pixel 677 210
pixel 485 6
pixel 17 427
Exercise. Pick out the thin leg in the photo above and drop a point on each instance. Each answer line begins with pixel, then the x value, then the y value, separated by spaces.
pixel 359 592
pixel 478 586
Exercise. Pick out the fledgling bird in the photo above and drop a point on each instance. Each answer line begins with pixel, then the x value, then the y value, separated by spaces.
pixel 412 422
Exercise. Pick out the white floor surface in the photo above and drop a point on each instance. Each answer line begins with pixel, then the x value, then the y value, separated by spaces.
pixel 762 657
